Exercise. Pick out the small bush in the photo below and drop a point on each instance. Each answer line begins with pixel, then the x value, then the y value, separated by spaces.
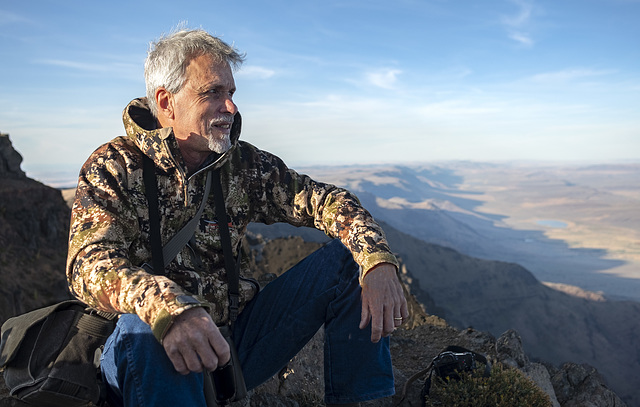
pixel 504 388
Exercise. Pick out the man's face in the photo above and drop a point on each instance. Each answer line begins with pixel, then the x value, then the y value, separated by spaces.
pixel 204 107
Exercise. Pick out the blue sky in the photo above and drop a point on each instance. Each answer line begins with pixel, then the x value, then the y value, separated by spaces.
pixel 342 82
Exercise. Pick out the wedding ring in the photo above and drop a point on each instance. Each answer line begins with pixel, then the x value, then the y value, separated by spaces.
pixel 398 319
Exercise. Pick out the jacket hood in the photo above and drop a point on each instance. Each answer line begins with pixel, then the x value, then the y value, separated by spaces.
pixel 160 144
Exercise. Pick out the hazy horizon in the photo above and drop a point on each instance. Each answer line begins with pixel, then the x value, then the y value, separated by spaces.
pixel 65 176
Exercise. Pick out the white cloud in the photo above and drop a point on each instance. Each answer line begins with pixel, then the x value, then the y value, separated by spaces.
pixel 456 109
pixel 255 72
pixel 568 75
pixel 385 78
pixel 120 69
pixel 524 14
pixel 517 25
pixel 81 66
pixel 522 38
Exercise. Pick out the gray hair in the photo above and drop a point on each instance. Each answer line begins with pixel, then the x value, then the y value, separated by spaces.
pixel 169 56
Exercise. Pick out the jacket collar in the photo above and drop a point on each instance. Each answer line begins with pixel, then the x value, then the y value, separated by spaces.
pixel 160 144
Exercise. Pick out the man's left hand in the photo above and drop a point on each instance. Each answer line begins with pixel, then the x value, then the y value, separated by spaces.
pixel 383 301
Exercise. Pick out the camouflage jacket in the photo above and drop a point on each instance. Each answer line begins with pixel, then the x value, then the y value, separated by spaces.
pixel 109 236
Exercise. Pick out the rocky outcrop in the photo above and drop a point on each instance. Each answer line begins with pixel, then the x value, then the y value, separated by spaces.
pixel 34 222
pixel 578 385
pixel 10 159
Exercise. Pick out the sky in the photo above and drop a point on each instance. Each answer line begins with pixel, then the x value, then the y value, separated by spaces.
pixel 338 82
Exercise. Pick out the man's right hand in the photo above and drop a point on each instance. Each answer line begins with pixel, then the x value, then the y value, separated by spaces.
pixel 194 343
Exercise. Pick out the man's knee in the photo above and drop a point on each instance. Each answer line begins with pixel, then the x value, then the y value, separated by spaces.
pixel 336 250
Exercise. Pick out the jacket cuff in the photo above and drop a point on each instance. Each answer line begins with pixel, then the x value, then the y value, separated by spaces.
pixel 375 259
pixel 165 318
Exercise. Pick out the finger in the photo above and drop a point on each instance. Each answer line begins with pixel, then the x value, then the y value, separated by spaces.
pixel 404 310
pixel 192 360
pixel 221 348
pixel 389 323
pixel 377 328
pixel 397 316
pixel 365 316
pixel 402 314
pixel 196 350
pixel 376 318
pixel 177 360
pixel 208 358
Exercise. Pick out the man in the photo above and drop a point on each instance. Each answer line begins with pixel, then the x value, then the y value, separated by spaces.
pixel 168 335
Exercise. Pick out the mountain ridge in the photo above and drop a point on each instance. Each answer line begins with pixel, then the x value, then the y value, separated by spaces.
pixel 569 225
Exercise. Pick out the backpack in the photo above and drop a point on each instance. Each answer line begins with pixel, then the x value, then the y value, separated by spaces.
pixel 51 356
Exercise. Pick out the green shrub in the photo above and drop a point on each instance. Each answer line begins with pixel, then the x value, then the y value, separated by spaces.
pixel 504 388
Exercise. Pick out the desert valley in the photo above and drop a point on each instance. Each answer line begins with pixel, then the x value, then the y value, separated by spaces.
pixel 575 225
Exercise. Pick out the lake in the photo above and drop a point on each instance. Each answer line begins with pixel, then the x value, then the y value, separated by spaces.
pixel 553 223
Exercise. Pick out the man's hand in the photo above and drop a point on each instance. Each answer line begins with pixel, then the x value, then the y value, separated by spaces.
pixel 383 301
pixel 194 342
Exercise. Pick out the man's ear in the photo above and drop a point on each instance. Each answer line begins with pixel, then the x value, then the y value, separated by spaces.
pixel 164 101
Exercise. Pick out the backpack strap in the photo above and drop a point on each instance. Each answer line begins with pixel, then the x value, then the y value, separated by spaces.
pixel 164 255
pixel 232 267
pixel 161 256
pixel 413 378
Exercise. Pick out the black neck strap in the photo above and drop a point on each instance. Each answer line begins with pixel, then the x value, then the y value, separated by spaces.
pixel 231 266
pixel 233 275
pixel 151 191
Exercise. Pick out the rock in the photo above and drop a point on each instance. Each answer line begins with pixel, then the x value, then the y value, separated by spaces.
pixel 10 159
pixel 264 399
pixel 302 378
pixel 510 350
pixel 34 228
pixel 580 385
pixel 539 374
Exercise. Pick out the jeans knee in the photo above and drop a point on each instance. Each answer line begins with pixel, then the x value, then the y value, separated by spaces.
pixel 337 246
pixel 337 251
pixel 132 335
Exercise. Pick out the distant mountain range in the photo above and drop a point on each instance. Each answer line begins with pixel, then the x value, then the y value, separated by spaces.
pixel 502 212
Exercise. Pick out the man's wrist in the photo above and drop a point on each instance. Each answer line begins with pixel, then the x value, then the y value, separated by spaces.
pixel 166 318
pixel 393 266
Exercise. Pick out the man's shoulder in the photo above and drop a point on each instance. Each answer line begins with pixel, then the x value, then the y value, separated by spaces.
pixel 118 147
pixel 118 150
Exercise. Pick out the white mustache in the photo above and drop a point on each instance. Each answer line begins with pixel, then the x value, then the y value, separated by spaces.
pixel 221 120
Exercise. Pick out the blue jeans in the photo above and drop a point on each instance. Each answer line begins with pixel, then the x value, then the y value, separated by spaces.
pixel 272 329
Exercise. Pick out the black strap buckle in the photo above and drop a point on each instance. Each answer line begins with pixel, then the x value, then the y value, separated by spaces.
pixel 234 303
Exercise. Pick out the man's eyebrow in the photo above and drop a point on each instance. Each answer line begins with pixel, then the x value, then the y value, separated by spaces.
pixel 214 86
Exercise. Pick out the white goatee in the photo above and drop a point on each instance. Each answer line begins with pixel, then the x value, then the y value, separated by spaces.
pixel 222 143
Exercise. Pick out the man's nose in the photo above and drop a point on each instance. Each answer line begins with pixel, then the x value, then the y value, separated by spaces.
pixel 230 107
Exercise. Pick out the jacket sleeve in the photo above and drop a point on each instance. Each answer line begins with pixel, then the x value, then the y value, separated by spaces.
pixel 297 199
pixel 104 224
